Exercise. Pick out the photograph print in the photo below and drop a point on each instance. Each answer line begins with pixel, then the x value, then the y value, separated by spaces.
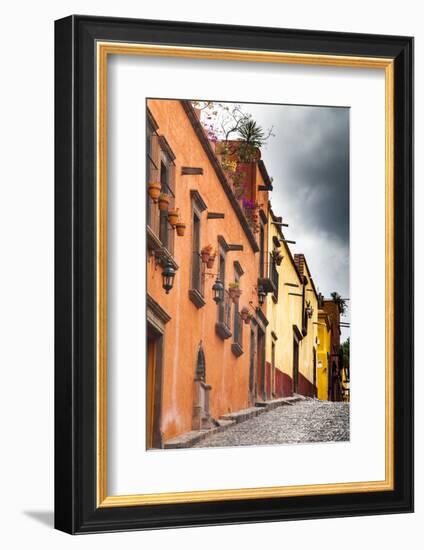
pixel 247 292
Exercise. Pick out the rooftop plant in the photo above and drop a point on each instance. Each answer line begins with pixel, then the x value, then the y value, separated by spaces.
pixel 237 138
pixel 340 302
pixel 224 122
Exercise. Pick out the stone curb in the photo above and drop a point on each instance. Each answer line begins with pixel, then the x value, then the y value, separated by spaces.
pixel 189 439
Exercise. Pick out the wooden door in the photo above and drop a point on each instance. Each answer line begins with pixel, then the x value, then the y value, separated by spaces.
pixel 150 394
pixel 252 361
pixel 272 370
pixel 260 376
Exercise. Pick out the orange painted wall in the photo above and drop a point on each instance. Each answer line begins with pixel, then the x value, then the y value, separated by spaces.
pixel 227 374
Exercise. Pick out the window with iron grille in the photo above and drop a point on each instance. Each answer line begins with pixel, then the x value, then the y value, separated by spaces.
pixel 223 325
pixel 225 311
pixel 153 175
pixel 196 266
pixel 221 305
pixel 262 252
pixel 197 278
pixel 160 168
pixel 167 182
pixel 237 321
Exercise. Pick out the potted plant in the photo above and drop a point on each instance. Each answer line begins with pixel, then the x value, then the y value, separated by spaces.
pixel 205 253
pixel 211 260
pixel 221 148
pixel 238 192
pixel 249 317
pixel 154 190
pixel 180 227
pixel 255 227
pixel 244 313
pixel 173 216
pixel 234 291
pixel 163 201
pixel 229 165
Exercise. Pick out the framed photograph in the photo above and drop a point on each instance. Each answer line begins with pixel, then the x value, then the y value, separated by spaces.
pixel 233 265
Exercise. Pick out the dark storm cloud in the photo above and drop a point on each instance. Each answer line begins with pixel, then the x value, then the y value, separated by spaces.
pixel 315 153
pixel 308 159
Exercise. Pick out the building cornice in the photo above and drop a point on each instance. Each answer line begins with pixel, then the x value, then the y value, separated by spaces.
pixel 197 198
pixel 156 315
pixel 260 316
pixel 152 120
pixel 164 145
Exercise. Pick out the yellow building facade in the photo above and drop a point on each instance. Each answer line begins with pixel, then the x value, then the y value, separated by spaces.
pixel 323 354
pixel 292 313
pixel 306 378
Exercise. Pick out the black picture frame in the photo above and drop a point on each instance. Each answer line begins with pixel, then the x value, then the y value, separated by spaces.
pixel 76 510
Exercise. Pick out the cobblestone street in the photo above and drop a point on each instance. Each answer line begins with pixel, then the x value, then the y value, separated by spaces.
pixel 305 421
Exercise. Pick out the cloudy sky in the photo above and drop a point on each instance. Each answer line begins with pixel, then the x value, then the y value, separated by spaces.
pixel 308 159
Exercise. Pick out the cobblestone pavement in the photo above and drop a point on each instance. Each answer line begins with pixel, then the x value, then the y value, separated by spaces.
pixel 302 422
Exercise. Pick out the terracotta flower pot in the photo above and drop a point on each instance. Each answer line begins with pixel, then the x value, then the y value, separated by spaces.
pixel 235 294
pixel 244 313
pixel 173 216
pixel 210 262
pixel 247 320
pixel 163 201
pixel 154 190
pixel 180 227
pixel 205 255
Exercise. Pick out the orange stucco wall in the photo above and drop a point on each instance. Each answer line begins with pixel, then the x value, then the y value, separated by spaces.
pixel 227 374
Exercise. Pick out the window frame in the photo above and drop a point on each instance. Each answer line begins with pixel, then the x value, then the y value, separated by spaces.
pixel 237 345
pixel 158 153
pixel 197 292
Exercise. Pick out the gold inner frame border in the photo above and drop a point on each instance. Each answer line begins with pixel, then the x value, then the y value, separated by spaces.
pixel 103 50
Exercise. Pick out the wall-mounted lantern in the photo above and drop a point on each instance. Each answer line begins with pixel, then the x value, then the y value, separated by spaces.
pixel 168 275
pixel 218 291
pixel 261 295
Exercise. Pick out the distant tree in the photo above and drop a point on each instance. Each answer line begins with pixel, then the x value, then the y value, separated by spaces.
pixel 340 302
pixel 346 351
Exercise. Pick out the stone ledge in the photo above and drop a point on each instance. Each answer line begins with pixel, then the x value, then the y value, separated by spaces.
pixel 222 330
pixel 280 402
pixel 237 349
pixel 196 297
pixel 244 414
pixel 190 439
